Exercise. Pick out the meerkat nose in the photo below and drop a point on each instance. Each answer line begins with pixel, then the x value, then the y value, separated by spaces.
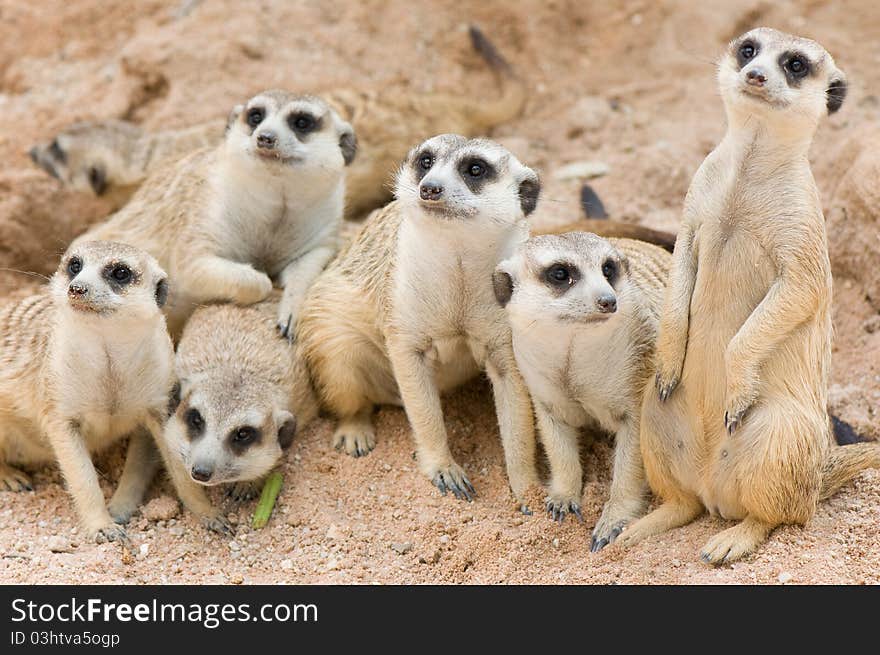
pixel 267 140
pixel 430 191
pixel 202 472
pixel 756 77
pixel 607 304
pixel 75 290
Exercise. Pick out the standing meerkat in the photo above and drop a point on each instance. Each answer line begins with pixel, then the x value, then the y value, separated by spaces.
pixel 264 205
pixel 243 394
pixel 115 156
pixel 407 310
pixel 584 313
pixel 84 363
pixel 738 424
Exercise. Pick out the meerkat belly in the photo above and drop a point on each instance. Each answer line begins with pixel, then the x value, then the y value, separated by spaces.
pixel 452 361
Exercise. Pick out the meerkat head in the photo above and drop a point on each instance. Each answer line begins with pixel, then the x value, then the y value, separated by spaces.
pixel 767 73
pixel 452 177
pixel 284 129
pixel 100 279
pixel 576 277
pixel 88 156
pixel 228 428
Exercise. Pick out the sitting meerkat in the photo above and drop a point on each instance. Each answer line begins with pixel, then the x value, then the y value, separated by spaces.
pixel 264 205
pixel 242 395
pixel 113 157
pixel 84 363
pixel 583 313
pixel 116 156
pixel 407 311
pixel 738 423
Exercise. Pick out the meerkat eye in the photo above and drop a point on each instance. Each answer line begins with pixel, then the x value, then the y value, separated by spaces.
pixel 255 116
pixel 559 274
pixel 609 269
pixel 194 419
pixel 301 122
pixel 121 273
pixel 426 162
pixel 476 168
pixel 747 51
pixel 797 66
pixel 244 435
pixel 74 266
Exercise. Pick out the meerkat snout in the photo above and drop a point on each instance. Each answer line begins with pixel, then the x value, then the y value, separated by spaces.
pixel 430 191
pixel 267 140
pixel 607 303
pixel 202 472
pixel 756 77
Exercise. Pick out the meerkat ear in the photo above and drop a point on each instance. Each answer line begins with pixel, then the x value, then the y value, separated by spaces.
pixel 836 92
pixel 502 285
pixel 98 179
pixel 162 292
pixel 529 190
pixel 233 116
pixel 347 143
pixel 286 423
pixel 174 398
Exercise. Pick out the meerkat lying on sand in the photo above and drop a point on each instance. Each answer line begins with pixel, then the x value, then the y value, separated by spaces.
pixel 264 205
pixel 738 423
pixel 84 363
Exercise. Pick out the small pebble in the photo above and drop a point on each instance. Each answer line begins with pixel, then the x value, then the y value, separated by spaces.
pixel 59 545
pixel 784 577
pixel 287 564
pixel 402 549
pixel 162 508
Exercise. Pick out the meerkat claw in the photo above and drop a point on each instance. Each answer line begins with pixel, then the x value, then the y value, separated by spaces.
pixel 286 329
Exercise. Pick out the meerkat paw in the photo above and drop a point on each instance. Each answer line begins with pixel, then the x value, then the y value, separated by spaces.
pixel 559 507
pixel 734 543
pixel 741 394
pixel 121 510
pixel 287 318
pixel 610 526
pixel 452 478
pixel 356 438
pixel 218 523
pixel 668 363
pixel 110 532
pixel 12 479
pixel 255 287
pixel 244 491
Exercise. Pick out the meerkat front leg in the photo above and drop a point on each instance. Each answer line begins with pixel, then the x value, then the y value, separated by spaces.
pixel 76 465
pixel 141 464
pixel 212 278
pixel 629 489
pixel 561 443
pixel 245 490
pixel 421 399
pixel 791 300
pixel 673 331
pixel 191 494
pixel 513 407
pixel 295 279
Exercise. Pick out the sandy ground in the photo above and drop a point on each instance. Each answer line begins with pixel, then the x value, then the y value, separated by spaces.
pixel 630 84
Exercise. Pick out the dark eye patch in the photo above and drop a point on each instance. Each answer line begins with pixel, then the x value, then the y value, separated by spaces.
pixel 57 153
pixel 243 437
pixel 610 270
pixel 746 51
pixel 195 423
pixel 796 67
pixel 476 172
pixel 561 276
pixel 119 275
pixel 423 162
pixel 303 122
pixel 254 116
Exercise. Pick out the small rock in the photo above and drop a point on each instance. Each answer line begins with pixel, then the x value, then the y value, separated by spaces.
pixel 176 531
pixel 785 577
pixel 581 170
pixel 334 533
pixel 162 508
pixel 233 546
pixel 402 549
pixel 236 578
pixel 143 550
pixel 444 538
pixel 287 564
pixel 60 545
pixel 556 542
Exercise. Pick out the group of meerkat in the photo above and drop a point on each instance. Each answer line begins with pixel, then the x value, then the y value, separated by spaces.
pixel 710 365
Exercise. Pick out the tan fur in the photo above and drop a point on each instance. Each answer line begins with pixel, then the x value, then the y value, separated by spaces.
pixel 228 221
pixel 388 121
pixel 583 364
pixel 80 370
pixel 406 312
pixel 610 229
pixel 234 371
pixel 744 349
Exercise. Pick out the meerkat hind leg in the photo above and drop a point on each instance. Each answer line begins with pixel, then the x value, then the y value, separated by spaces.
pixel 671 514
pixel 11 479
pixel 736 542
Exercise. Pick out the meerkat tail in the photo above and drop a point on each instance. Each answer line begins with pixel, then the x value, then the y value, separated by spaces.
pixel 844 433
pixel 614 230
pixel 844 463
pixel 513 89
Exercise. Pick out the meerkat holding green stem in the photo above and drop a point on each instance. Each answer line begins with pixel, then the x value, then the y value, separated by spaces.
pixel 738 423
